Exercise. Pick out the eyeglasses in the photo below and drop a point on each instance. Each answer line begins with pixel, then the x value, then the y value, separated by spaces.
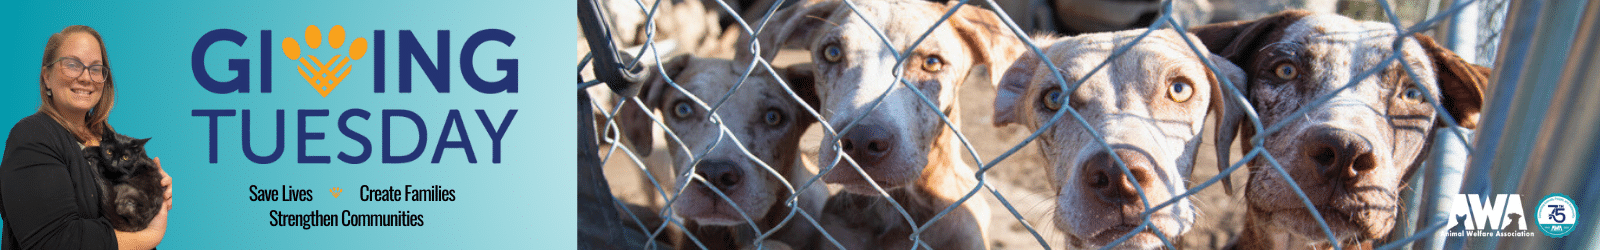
pixel 72 68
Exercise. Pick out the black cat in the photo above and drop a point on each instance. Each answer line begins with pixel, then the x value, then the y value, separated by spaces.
pixel 130 187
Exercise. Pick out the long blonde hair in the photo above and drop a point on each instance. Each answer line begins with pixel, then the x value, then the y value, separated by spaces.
pixel 95 120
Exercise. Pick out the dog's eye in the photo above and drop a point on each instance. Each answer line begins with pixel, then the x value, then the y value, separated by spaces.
pixel 1180 91
pixel 1285 71
pixel 832 53
pixel 682 110
pixel 933 64
pixel 1412 94
pixel 1052 99
pixel 772 117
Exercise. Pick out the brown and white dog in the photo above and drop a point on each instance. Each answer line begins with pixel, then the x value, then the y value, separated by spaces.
pixel 1348 154
pixel 1150 104
pixel 764 126
pixel 901 143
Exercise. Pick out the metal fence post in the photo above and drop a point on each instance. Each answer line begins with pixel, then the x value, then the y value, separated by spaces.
pixel 1462 37
pixel 1538 35
pixel 1441 180
pixel 606 66
pixel 1563 156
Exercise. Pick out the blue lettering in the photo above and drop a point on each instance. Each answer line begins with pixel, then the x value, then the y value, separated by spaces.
pixel 422 136
pixel 438 73
pixel 344 127
pixel 307 136
pixel 277 151
pixel 508 83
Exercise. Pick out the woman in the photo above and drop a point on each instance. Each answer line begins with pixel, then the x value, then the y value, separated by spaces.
pixel 48 195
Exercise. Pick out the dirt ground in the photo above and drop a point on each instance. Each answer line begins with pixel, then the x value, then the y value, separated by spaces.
pixel 1020 179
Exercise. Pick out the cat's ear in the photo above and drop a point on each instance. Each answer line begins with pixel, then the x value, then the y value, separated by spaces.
pixel 108 134
pixel 139 143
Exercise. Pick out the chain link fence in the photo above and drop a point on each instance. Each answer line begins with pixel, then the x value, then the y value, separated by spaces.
pixel 633 51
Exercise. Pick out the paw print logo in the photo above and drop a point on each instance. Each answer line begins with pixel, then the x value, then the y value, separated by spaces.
pixel 324 76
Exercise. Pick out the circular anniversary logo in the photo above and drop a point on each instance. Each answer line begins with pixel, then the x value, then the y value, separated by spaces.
pixel 1557 215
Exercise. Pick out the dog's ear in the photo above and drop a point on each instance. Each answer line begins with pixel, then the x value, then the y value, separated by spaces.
pixel 1229 113
pixel 1239 40
pixel 1009 101
pixel 802 79
pixel 1461 83
pixel 634 119
pixel 796 27
pixel 987 37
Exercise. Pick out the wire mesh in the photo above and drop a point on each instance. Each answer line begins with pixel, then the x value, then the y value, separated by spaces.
pixel 607 113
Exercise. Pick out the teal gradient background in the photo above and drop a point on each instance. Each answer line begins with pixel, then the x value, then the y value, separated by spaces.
pixel 526 201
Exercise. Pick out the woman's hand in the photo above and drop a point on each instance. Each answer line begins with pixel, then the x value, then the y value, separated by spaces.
pixel 166 183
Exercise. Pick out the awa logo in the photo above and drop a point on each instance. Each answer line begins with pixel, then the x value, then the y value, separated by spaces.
pixel 1499 215
pixel 324 75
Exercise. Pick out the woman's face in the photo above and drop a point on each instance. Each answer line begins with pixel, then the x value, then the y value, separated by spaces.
pixel 75 95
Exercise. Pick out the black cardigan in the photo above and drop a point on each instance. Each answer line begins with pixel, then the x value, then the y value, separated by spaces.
pixel 48 195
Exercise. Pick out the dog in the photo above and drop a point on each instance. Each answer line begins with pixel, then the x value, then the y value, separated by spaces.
pixel 900 144
pixel 1150 104
pixel 762 120
pixel 1349 154
pixel 679 27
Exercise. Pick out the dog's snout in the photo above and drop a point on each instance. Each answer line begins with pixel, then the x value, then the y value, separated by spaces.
pixel 1339 153
pixel 867 144
pixel 721 174
pixel 1106 180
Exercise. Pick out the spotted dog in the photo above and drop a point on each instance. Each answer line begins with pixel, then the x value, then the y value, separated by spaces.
pixel 1348 154
pixel 1149 104
pixel 749 162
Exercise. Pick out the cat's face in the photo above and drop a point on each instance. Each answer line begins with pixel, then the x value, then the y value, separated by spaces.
pixel 120 156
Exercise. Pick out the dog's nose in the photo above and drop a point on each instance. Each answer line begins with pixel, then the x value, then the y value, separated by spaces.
pixel 1339 153
pixel 866 143
pixel 1106 180
pixel 721 174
